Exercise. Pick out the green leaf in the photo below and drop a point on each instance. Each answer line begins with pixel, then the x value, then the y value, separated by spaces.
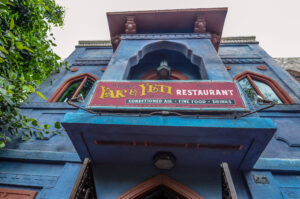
pixel 25 137
pixel 12 75
pixel 1 60
pixel 3 1
pixel 31 88
pixel 12 24
pixel 41 95
pixel 46 126
pixel 8 139
pixel 2 144
pixel 3 50
pixel 19 45
pixel 8 100
pixel 25 88
pixel 28 49
pixel 57 125
pixel 10 3
pixel 34 123
pixel 40 135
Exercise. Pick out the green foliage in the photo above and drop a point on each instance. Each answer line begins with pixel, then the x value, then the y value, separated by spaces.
pixel 26 60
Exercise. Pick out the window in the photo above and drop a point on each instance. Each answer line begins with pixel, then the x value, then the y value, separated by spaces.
pixel 255 85
pixel 73 87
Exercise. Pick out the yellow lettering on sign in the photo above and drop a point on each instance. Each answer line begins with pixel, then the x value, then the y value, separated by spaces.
pixel 155 88
pixel 108 93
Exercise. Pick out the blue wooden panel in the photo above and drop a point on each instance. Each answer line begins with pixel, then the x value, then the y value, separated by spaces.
pixel 244 123
pixel 28 180
pixel 39 155
pixel 8 167
pixel 45 193
pixel 66 181
pixel 278 164
pixel 234 51
pixel 96 53
pixel 287 180
pixel 289 185
pixel 263 191
pixel 290 192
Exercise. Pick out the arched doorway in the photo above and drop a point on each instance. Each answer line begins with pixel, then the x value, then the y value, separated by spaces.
pixel 160 187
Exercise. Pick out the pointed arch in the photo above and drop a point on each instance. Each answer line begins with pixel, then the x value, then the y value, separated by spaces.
pixel 160 180
pixel 171 46
pixel 279 91
pixel 84 77
pixel 165 45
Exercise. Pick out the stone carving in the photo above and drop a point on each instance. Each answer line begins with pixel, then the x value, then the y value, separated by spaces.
pixel 215 39
pixel 116 40
pixel 200 25
pixel 130 25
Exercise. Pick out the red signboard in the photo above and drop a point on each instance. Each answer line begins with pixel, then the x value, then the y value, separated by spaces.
pixel 167 95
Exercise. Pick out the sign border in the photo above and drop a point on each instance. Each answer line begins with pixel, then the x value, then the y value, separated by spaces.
pixel 120 108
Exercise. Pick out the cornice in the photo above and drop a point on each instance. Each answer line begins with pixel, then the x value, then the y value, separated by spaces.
pixel 166 36
pixel 239 40
pixel 224 40
pixel 94 43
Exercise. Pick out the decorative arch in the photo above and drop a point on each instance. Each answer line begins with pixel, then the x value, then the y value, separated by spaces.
pixel 280 92
pixel 150 185
pixel 56 95
pixel 166 45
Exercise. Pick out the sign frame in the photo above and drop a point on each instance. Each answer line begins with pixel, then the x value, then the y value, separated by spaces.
pixel 138 109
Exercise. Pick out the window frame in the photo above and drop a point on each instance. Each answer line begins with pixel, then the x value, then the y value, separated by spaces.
pixel 278 90
pixel 57 94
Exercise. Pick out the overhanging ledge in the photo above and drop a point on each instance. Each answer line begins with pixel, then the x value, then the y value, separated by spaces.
pixel 166 21
pixel 202 142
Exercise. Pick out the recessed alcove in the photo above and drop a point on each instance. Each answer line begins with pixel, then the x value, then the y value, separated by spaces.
pixel 178 63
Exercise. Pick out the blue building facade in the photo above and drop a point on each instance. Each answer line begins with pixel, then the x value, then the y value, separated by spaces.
pixel 151 154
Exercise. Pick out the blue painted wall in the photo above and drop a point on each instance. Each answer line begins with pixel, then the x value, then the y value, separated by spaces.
pixel 56 163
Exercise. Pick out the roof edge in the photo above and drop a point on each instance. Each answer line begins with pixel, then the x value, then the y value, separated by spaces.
pixel 224 40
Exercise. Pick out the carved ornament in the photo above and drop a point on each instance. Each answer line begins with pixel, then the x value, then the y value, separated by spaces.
pixel 116 40
pixel 130 25
pixel 215 39
pixel 200 25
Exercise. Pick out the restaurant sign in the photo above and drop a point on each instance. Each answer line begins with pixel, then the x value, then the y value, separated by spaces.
pixel 167 95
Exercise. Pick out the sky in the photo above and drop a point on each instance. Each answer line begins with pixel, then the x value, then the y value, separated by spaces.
pixel 275 23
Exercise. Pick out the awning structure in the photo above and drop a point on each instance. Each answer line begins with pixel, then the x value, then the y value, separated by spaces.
pixel 165 21
pixel 195 142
